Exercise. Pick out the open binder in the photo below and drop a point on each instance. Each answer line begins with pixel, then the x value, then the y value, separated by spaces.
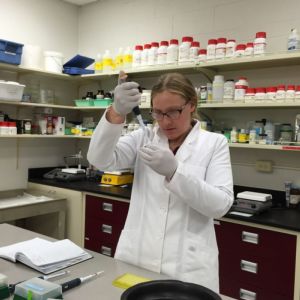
pixel 45 256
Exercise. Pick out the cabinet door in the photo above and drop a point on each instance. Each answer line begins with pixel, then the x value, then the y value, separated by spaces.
pixel 259 258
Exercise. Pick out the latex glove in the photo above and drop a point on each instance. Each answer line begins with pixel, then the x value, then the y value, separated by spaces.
pixel 159 159
pixel 126 97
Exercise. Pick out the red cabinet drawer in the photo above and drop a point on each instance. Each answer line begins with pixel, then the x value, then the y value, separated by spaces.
pixel 106 209
pixel 103 230
pixel 241 239
pixel 269 274
pixel 105 248
pixel 246 291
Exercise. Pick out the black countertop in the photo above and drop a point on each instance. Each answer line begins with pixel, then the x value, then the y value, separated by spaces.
pixel 278 216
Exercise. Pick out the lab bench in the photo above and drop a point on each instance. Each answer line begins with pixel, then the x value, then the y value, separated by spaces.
pixel 259 255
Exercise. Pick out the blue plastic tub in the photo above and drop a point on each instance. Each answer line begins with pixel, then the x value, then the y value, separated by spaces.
pixel 10 52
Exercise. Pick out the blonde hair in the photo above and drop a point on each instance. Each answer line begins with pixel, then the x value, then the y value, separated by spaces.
pixel 178 84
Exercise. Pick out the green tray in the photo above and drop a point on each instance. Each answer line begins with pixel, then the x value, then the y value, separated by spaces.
pixel 102 102
pixel 84 103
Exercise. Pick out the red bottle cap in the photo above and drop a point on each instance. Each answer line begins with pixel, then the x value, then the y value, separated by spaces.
pixel 221 40
pixel 241 47
pixel 202 51
pixel 138 47
pixel 261 34
pixel 187 39
pixel 260 90
pixel 147 46
pixel 173 42
pixel 212 42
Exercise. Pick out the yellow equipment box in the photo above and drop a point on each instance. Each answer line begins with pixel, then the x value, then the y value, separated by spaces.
pixel 113 179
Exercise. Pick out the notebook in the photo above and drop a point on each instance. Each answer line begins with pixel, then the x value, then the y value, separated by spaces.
pixel 45 256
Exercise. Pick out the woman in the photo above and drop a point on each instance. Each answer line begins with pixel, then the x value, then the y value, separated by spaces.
pixel 182 180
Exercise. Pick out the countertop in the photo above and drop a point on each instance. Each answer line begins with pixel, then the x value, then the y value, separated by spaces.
pixel 278 216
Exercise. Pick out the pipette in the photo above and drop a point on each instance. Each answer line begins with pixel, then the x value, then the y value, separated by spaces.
pixel 136 110
pixel 78 281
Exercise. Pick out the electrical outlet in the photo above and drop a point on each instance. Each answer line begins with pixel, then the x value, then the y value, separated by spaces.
pixel 265 166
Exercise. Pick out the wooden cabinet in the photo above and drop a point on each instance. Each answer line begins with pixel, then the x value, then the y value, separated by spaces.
pixel 256 263
pixel 104 221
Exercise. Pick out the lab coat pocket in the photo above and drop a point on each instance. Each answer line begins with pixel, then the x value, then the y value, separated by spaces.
pixel 200 263
pixel 125 250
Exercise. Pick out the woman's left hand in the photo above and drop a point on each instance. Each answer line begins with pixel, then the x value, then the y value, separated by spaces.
pixel 159 159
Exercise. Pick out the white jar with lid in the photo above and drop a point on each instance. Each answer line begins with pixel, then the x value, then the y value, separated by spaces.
pixel 250 95
pixel 249 49
pixel 172 52
pixel 280 93
pixel 229 88
pixel 260 94
pixel 145 53
pixel 152 55
pixel 260 43
pixel 240 89
pixel 162 53
pixel 211 49
pixel 252 136
pixel 221 48
pixel 297 93
pixel 233 135
pixel 202 55
pixel 218 88
pixel 184 50
pixel 230 48
pixel 290 93
pixel 195 46
pixel 240 50
pixel 137 56
pixel 271 93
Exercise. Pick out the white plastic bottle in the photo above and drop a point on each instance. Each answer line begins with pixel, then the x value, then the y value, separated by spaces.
pixel 119 59
pixel 269 131
pixel 260 43
pixel 99 64
pixel 230 48
pixel 127 58
pixel 211 49
pixel 145 53
pixel 184 50
pixel 221 48
pixel 152 56
pixel 202 56
pixel 293 40
pixel 218 88
pixel 107 61
pixel 195 46
pixel 162 53
pixel 137 56
pixel 172 52
pixel 233 135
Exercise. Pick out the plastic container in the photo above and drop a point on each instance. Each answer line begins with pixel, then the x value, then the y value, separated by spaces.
pixel 184 49
pixel 195 46
pixel 211 49
pixel 107 61
pixel 137 56
pixel 53 61
pixel 162 53
pixel 84 103
pixel 218 88
pixel 98 64
pixel 221 48
pixel 102 102
pixel 233 135
pixel 297 93
pixel 271 93
pixel 152 56
pixel 229 87
pixel 250 95
pixel 32 57
pixel 293 40
pixel 172 52
pixel 230 48
pixel 11 91
pixel 127 59
pixel 269 131
pixel 240 89
pixel 10 52
pixel 260 94
pixel 290 93
pixel 249 49
pixel 260 43
pixel 145 54
pixel 280 93
pixel 202 55
pixel 77 65
pixel 240 50
pixel 118 63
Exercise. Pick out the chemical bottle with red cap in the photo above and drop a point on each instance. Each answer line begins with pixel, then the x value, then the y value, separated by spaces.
pixel 211 49
pixel 172 52
pixel 152 56
pixel 195 46
pixel 145 53
pixel 260 43
pixel 184 50
pixel 221 48
pixel 137 56
pixel 162 53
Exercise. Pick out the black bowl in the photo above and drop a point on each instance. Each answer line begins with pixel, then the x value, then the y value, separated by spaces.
pixel 169 290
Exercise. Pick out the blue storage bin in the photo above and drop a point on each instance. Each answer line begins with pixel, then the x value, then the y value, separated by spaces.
pixel 10 52
pixel 77 65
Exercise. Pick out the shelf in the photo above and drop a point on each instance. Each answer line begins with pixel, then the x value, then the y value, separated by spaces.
pixel 249 105
pixel 28 104
pixel 266 147
pixel 41 136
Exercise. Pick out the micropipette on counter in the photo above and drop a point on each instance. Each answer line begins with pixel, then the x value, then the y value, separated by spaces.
pixel 78 281
pixel 136 109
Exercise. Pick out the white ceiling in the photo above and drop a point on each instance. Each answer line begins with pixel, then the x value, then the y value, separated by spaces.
pixel 80 2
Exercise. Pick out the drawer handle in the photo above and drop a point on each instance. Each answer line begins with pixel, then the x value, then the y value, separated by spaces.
pixel 106 228
pixel 106 250
pixel 107 206
pixel 248 266
pixel 247 295
pixel 250 237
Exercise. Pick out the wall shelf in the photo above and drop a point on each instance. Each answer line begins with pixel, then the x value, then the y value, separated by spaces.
pixel 41 136
pixel 231 105
pixel 266 147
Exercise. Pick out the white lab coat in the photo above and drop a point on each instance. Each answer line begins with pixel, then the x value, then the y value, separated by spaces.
pixel 169 227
